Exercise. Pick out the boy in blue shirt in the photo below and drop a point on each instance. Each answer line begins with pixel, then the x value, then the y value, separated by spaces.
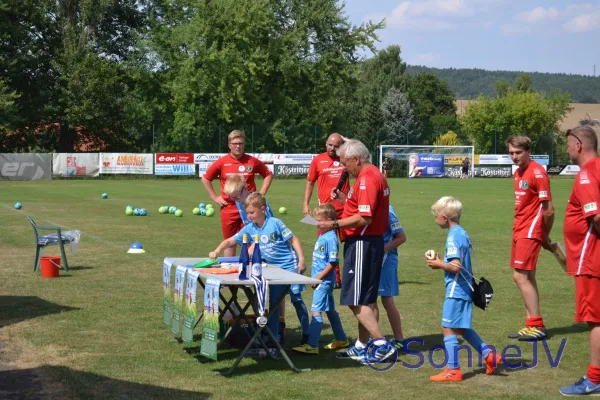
pixel 235 187
pixel 325 259
pixel 279 247
pixel 458 306
pixel 393 237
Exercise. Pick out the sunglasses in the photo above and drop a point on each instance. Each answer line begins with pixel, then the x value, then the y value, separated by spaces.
pixel 570 133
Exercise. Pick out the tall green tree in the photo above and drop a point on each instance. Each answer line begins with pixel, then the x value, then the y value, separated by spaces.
pixel 400 126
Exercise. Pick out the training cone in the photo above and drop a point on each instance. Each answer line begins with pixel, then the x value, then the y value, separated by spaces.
pixel 136 248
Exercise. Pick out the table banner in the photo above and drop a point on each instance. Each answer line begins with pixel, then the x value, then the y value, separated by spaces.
pixel 178 301
pixel 210 327
pixel 167 264
pixel 189 318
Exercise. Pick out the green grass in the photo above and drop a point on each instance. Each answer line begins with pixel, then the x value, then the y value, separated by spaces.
pixel 97 332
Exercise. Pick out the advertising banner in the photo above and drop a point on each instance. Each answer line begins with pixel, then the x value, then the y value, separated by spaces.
pixel 177 169
pixel 126 163
pixel 180 273
pixel 453 171
pixel 425 165
pixel 570 170
pixel 210 326
pixel 167 264
pixel 25 166
pixel 293 158
pixel 504 159
pixel 204 160
pixel 457 159
pixel 75 164
pixel 291 169
pixel 174 158
pixel 189 316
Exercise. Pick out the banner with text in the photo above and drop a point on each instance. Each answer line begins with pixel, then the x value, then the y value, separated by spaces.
pixel 291 169
pixel 176 169
pixel 205 160
pixel 126 163
pixel 570 170
pixel 504 159
pixel 178 300
pixel 174 158
pixel 167 264
pixel 425 165
pixel 25 166
pixel 481 171
pixel 293 158
pixel 75 164
pixel 457 159
pixel 210 326
pixel 189 318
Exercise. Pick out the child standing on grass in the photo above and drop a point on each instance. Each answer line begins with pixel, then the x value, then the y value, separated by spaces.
pixel 458 306
pixel 325 260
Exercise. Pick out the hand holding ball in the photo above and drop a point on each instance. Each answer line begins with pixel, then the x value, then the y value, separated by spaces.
pixel 430 254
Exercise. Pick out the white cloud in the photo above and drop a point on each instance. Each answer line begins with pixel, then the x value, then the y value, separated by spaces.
pixel 583 22
pixel 538 14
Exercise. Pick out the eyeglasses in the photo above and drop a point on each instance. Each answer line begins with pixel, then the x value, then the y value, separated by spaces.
pixel 237 143
pixel 570 133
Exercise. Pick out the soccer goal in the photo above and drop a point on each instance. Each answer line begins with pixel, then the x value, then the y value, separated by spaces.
pixel 426 161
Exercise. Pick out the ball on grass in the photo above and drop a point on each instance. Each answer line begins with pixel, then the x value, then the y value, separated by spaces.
pixel 18 205
pixel 201 205
pixel 203 211
pixel 129 212
pixel 143 212
pixel 105 195
pixel 282 210
pixel 162 210
pixel 136 212
pixel 196 211
pixel 178 213
pixel 172 209
pixel 210 212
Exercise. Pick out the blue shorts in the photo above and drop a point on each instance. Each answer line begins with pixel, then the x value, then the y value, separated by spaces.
pixel 363 258
pixel 323 300
pixel 388 281
pixel 457 314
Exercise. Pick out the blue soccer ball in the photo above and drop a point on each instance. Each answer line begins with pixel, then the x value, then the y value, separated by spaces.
pixel 172 209
pixel 18 205
pixel 203 211
pixel 136 212
pixel 105 195
pixel 143 212
pixel 201 205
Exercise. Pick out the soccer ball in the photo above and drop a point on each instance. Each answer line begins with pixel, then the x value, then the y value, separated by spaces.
pixel 430 254
pixel 136 212
pixel 178 213
pixel 105 195
pixel 172 209
pixel 18 205
pixel 202 211
pixel 201 205
pixel 143 212
pixel 162 210
pixel 129 212
pixel 282 210
pixel 210 212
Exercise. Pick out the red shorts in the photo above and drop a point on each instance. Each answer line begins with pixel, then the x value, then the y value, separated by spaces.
pixel 587 299
pixel 524 254
pixel 231 222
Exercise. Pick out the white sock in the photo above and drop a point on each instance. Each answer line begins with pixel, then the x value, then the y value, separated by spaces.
pixel 379 342
pixel 359 345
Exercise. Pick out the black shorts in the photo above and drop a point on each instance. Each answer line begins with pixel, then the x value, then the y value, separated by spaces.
pixel 363 257
pixel 465 170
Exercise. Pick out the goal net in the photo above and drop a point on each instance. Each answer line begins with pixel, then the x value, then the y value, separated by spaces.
pixel 426 161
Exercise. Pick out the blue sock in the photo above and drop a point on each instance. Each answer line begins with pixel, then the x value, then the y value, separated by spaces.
pixel 451 344
pixel 336 326
pixel 474 340
pixel 315 330
pixel 301 311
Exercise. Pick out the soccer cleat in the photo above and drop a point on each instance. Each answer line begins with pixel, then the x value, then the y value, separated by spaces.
pixel 449 375
pixel 533 334
pixel 353 353
pixel 304 339
pixel 398 344
pixel 307 349
pixel 380 354
pixel 582 387
pixel 491 362
pixel 337 344
pixel 518 334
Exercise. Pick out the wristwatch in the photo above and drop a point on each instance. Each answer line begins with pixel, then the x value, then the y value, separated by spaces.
pixel 335 225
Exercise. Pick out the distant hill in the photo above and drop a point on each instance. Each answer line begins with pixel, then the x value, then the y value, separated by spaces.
pixel 470 83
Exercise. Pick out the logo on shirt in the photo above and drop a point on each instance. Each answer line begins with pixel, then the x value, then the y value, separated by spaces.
pixel 322 248
pixel 543 193
pixel 336 163
pixel 364 208
pixel 273 236
pixel 241 168
pixel 386 192
pixel 249 168
pixel 590 207
pixel 452 250
pixel 350 193
pixel 333 254
pixel 264 239
pixel 286 232
pixel 396 225
pixel 523 185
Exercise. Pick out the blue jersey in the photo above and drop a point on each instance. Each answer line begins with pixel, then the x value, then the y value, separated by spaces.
pixel 458 245
pixel 274 240
pixel 244 215
pixel 326 251
pixel 390 259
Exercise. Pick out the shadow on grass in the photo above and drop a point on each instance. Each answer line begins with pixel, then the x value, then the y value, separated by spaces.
pixel 80 267
pixel 412 283
pixel 14 309
pixel 574 328
pixel 50 382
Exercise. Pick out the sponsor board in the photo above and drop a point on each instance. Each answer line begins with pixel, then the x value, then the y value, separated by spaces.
pixel 504 159
pixel 75 164
pixel 126 163
pixel 291 169
pixel 25 166
pixel 457 159
pixel 293 158
pixel 481 172
pixel 176 169
pixel 570 170
pixel 426 165
pixel 174 158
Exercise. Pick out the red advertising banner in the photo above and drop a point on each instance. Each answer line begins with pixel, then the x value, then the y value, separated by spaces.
pixel 174 158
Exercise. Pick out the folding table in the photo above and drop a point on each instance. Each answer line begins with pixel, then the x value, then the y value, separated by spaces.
pixel 275 276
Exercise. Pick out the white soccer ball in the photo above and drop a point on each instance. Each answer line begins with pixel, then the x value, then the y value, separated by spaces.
pixel 430 254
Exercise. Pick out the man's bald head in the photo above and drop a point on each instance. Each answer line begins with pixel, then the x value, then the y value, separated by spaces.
pixel 334 141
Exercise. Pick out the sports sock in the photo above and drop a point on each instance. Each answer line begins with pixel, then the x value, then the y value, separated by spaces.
pixel 535 322
pixel 451 345
pixel 593 374
pixel 475 341
pixel 336 326
pixel 301 311
pixel 316 325
pixel 359 345
pixel 379 342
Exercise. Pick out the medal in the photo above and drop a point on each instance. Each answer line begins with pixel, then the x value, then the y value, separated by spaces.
pixel 261 321
pixel 261 298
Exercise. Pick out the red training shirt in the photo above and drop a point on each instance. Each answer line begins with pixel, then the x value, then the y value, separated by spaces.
pixel 326 170
pixel 531 188
pixel 247 166
pixel 581 239
pixel 369 197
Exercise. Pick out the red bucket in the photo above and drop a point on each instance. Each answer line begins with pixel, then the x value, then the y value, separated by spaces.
pixel 50 266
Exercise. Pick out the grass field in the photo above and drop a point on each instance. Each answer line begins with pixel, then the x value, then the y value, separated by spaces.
pixel 97 331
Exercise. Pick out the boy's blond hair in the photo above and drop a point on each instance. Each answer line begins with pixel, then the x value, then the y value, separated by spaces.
pixel 519 141
pixel 326 210
pixel 449 207
pixel 234 184
pixel 255 199
pixel 236 134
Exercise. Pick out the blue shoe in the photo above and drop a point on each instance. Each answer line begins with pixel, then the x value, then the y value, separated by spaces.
pixel 581 388
pixel 380 354
pixel 353 353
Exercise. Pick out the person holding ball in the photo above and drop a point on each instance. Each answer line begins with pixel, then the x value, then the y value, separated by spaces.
pixel 458 305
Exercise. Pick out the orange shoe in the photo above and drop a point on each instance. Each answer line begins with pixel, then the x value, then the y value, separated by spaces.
pixel 449 375
pixel 491 362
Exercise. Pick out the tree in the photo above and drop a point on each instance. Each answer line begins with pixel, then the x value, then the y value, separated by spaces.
pixel 523 83
pixel 447 139
pixel 382 72
pixel 528 113
pixel 502 87
pixel 399 124
pixel 370 122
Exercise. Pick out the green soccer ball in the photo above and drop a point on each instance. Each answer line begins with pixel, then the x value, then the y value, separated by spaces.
pixel 129 212
pixel 196 211
pixel 179 213
pixel 172 209
pixel 209 206
pixel 162 210
pixel 282 210
pixel 210 212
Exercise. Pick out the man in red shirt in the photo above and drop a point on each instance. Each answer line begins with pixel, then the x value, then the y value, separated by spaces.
pixel 582 240
pixel 236 162
pixel 363 223
pixel 326 169
pixel 534 216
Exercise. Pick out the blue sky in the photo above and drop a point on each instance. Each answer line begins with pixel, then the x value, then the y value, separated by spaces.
pixel 525 35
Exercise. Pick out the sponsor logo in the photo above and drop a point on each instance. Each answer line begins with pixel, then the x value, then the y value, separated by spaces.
pixel 364 208
pixel 273 236
pixel 350 193
pixel 264 239
pixel 333 254
pixel 241 168
pixel 322 248
pixel 584 181
pixel 590 207
pixel 523 185
pixel 336 163
pixel 286 232
pixel 396 225
pixel 543 193
pixel 452 250
pixel 249 168
pixel 291 169
pixel 14 169
pixel 386 192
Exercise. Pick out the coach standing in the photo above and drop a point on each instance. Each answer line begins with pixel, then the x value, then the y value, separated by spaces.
pixel 236 162
pixel 582 240
pixel 363 223
pixel 326 169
